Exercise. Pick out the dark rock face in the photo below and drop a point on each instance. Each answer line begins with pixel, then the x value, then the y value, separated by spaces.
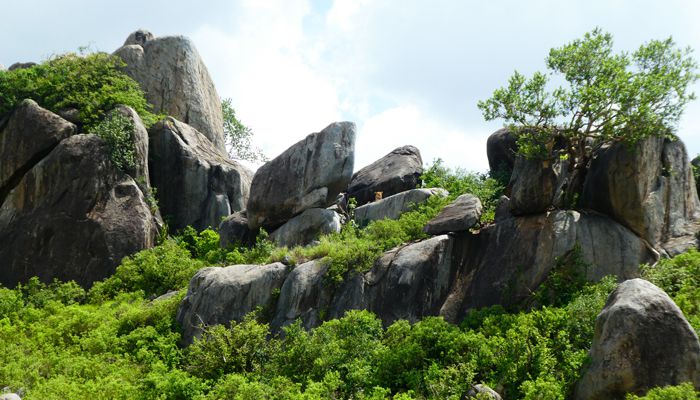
pixel 306 227
pixel 393 206
pixel 650 189
pixel 642 340
pixel 72 216
pixel 309 174
pixel 394 173
pixel 234 229
pixel 220 295
pixel 197 184
pixel 461 215
pixel 175 80
pixel 21 65
pixel 536 186
pixel 501 148
pixel 303 295
pixel 29 134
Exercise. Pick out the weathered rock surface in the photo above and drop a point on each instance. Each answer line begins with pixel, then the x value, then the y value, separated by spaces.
pixel 393 206
pixel 234 229
pixel 175 80
pixel 501 149
pixel 461 215
pixel 309 174
pixel 10 396
pixel 394 173
pixel 536 186
pixel 220 295
pixel 303 296
pixel 482 392
pixel 139 136
pixel 306 227
pixel 72 216
pixel 28 135
pixel 642 340
pixel 197 184
pixel 650 189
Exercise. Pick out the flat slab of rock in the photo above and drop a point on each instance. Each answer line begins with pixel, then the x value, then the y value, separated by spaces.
pixel 642 340
pixel 393 206
pixel 394 173
pixel 220 295
pixel 306 227
pixel 197 184
pixel 461 215
pixel 309 174
pixel 175 80
pixel 73 216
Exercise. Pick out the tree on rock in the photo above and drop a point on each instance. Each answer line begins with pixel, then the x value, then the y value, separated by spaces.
pixel 607 98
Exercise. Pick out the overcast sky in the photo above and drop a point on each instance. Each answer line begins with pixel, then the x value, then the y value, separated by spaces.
pixel 405 71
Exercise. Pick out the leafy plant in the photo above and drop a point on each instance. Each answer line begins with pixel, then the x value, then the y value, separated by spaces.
pixel 116 131
pixel 238 136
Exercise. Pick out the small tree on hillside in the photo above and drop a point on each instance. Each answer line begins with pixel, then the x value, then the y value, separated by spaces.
pixel 608 98
pixel 238 136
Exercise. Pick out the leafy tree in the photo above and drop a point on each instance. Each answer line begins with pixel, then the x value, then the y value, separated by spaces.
pixel 607 98
pixel 238 136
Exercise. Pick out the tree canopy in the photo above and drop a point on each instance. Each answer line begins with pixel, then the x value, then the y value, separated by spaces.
pixel 238 136
pixel 607 97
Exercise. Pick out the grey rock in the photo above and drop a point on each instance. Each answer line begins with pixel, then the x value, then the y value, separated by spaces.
pixel 21 65
pixel 501 149
pixel 220 295
pixel 234 229
pixel 303 296
pixel 393 206
pixel 166 296
pixel 309 174
pixel 197 184
pixel 536 186
pixel 461 215
pixel 394 173
pixel 650 189
pixel 306 227
pixel 176 81
pixel 139 136
pixel 641 341
pixel 72 216
pixel 10 396
pixel 71 115
pixel 482 392
pixel 28 135
pixel 502 209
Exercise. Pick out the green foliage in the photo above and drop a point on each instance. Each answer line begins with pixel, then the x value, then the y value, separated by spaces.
pixel 696 173
pixel 116 130
pixel 685 391
pixel 93 84
pixel 565 280
pixel 238 136
pixel 459 181
pixel 153 272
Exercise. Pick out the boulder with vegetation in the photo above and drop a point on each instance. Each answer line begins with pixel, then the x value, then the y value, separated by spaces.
pixel 461 215
pixel 234 230
pixel 309 174
pixel 642 340
pixel 393 206
pixel 394 173
pixel 307 227
pixel 176 81
pixel 501 150
pixel 197 184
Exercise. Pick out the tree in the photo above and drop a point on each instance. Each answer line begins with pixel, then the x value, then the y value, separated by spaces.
pixel 608 98
pixel 238 136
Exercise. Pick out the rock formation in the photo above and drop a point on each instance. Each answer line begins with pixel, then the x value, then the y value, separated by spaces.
pixel 310 174
pixel 461 215
pixel 176 81
pixel 393 206
pixel 501 149
pixel 394 173
pixel 642 340
pixel 306 227
pixel 234 229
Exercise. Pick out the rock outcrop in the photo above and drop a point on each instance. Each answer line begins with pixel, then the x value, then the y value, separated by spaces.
pixel 72 216
pixel 175 80
pixel 220 295
pixel 393 206
pixel 482 392
pixel 642 340
pixel 304 295
pixel 197 184
pixel 139 137
pixel 309 174
pixel 234 229
pixel 650 189
pixel 394 173
pixel 536 186
pixel 461 215
pixel 306 227
pixel 501 149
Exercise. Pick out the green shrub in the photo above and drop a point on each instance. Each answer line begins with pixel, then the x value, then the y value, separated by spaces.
pixel 685 391
pixel 116 130
pixel 94 84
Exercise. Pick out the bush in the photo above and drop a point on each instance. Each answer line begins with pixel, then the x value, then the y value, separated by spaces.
pixel 94 84
pixel 116 130
pixel 685 391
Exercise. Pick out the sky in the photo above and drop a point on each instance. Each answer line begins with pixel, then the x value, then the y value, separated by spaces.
pixel 405 71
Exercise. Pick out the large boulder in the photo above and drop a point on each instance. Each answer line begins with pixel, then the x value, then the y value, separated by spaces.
pixel 481 392
pixel 303 296
pixel 219 295
pixel 648 188
pixel 234 230
pixel 72 216
pixel 393 206
pixel 197 184
pixel 394 173
pixel 175 80
pixel 309 174
pixel 307 227
pixel 28 135
pixel 461 215
pixel 501 149
pixel 641 341
pixel 536 186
